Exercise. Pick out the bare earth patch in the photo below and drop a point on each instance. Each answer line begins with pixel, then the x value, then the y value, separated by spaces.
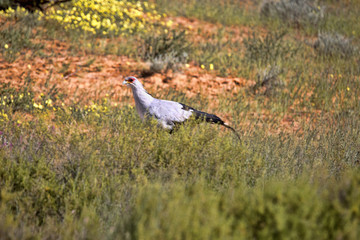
pixel 92 77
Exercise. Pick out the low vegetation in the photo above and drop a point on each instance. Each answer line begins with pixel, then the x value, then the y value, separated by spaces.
pixel 80 167
pixel 293 12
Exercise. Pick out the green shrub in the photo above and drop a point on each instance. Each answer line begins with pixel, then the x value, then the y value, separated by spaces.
pixel 268 79
pixel 156 46
pixel 23 98
pixel 165 51
pixel 296 12
pixel 16 36
pixel 329 44
pixel 269 49
pixel 163 63
pixel 276 210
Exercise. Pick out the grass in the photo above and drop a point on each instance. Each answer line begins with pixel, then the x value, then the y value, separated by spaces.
pixel 94 170
pixel 208 11
pixel 16 36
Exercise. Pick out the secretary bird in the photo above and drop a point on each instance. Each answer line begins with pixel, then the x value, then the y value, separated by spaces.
pixel 167 113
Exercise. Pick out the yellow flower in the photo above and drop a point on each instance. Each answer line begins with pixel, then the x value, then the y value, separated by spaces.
pixel 348 89
pixel 118 16
pixel 211 66
pixel 6 46
pixel 48 102
pixel 202 66
pixel 169 23
pixel 39 106
pixel 4 116
pixel 331 75
pixel 187 65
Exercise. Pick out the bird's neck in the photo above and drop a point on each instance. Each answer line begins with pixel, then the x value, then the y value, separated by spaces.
pixel 142 100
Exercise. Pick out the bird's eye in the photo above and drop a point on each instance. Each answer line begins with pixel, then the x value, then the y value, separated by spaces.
pixel 130 80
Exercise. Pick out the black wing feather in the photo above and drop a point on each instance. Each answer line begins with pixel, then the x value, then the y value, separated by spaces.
pixel 203 115
pixel 211 118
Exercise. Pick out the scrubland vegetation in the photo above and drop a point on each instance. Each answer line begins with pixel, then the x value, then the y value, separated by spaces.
pixel 79 167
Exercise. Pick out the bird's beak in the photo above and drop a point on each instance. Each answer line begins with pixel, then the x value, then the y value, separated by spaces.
pixel 125 82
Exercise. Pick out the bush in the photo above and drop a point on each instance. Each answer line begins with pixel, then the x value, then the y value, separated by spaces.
pixel 166 62
pixel 268 79
pixel 269 49
pixel 30 5
pixel 334 44
pixel 22 98
pixel 296 12
pixel 168 50
pixel 16 36
pixel 106 18
pixel 277 210
pixel 173 42
pixel 5 4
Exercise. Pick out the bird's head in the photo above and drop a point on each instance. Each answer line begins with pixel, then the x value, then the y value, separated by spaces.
pixel 130 81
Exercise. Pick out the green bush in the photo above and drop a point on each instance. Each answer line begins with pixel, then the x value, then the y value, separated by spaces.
pixel 335 45
pixel 268 79
pixel 157 46
pixel 17 36
pixel 296 12
pixel 269 49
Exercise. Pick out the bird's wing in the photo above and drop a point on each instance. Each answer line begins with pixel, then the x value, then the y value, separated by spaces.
pixel 168 111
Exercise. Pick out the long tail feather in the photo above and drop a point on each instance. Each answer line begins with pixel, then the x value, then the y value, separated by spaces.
pixel 211 118
pixel 232 129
